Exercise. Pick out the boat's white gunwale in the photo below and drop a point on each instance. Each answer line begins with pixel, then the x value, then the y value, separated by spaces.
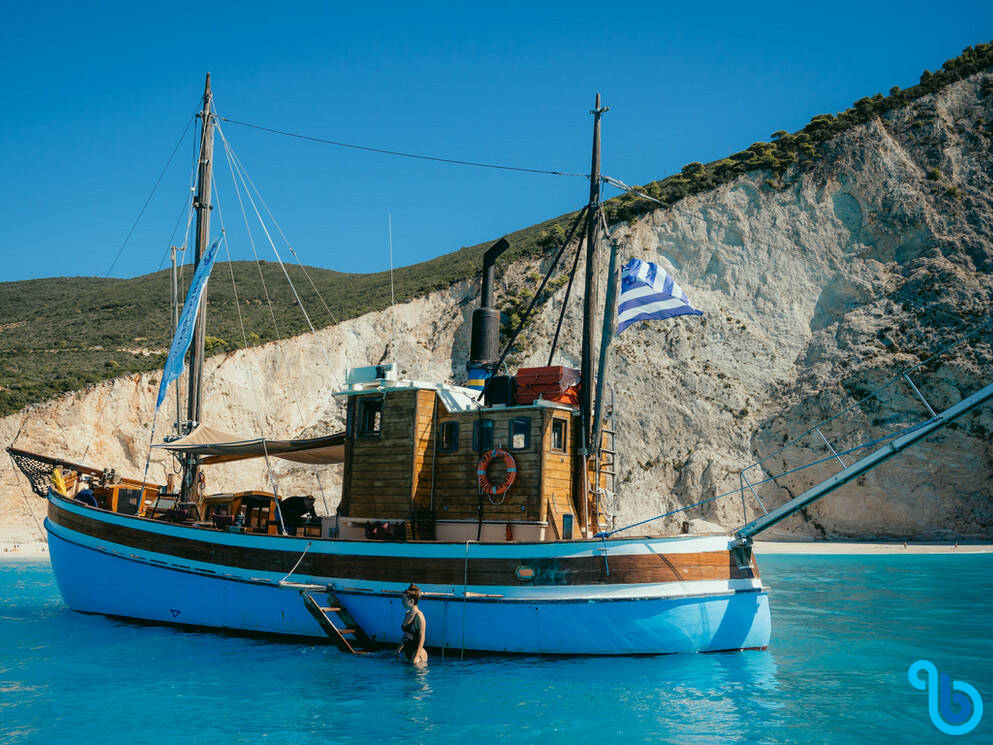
pixel 563 600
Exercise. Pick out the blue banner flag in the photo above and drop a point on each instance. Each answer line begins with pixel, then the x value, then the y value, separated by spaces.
pixel 647 292
pixel 184 332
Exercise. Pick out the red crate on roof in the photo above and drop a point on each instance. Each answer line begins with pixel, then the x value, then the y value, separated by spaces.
pixel 557 375
pixel 526 396
pixel 569 396
pixel 558 384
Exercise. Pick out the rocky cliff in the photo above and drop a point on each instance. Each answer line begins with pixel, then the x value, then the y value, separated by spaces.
pixel 817 286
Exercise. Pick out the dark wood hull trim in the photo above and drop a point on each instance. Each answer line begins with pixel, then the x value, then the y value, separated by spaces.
pixel 565 571
pixel 381 593
pixel 200 571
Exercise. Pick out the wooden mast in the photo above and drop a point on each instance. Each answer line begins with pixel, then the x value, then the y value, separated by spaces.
pixel 591 288
pixel 589 327
pixel 201 202
pixel 178 424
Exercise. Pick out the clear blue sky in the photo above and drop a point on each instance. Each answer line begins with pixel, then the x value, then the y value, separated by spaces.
pixel 95 96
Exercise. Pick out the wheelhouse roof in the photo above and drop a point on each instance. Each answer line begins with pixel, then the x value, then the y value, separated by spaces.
pixel 456 399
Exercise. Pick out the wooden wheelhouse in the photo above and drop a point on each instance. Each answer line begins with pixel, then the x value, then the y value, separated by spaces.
pixel 413 453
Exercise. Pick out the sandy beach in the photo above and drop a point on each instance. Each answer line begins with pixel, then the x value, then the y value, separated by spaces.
pixel 17 551
pixel 860 547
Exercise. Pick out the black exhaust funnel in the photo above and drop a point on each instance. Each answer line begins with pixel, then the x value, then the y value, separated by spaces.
pixel 484 349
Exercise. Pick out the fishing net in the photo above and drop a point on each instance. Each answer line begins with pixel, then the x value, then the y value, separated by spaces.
pixel 38 472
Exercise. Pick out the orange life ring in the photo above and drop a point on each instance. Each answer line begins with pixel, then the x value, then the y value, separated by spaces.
pixel 483 465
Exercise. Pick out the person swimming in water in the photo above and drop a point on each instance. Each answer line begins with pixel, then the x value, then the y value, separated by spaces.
pixel 413 627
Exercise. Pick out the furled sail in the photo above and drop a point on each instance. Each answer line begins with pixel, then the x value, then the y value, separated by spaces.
pixel 187 321
pixel 215 446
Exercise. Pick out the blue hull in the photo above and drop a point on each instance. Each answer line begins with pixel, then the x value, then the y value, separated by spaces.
pixel 93 581
pixel 96 579
pixel 590 627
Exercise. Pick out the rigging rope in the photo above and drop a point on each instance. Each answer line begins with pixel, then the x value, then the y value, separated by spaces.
pixel 93 431
pixel 393 300
pixel 534 300
pixel 251 242
pixel 234 286
pixel 238 173
pixel 187 205
pixel 383 151
pixel 27 502
pixel 126 239
pixel 896 378
pixel 324 499
pixel 148 460
pixel 279 258
pixel 189 224
pixel 305 550
pixel 565 300
pixel 275 487
pixel 149 198
pixel 258 422
pixel 275 222
pixel 809 258
pixel 220 217
pixel 178 283
pixel 24 418
pixel 878 440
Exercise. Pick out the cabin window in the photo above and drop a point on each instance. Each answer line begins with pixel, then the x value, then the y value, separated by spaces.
pixel 127 501
pixel 482 434
pixel 370 416
pixel 558 434
pixel 257 517
pixel 520 433
pixel 567 522
pixel 448 437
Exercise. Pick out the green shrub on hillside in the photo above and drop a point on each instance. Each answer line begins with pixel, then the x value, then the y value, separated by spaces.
pixel 801 148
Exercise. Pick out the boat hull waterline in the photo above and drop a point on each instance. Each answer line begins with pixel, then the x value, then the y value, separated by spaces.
pixel 585 596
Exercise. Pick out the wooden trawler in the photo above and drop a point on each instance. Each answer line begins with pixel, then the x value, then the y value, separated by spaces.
pixel 509 571
pixel 487 496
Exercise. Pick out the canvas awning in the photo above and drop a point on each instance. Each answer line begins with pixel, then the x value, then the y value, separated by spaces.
pixel 215 446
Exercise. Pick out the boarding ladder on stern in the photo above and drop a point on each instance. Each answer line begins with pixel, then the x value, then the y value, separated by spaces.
pixel 335 620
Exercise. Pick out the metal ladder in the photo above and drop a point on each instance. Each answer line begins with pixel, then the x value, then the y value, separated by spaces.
pixel 349 636
pixel 606 469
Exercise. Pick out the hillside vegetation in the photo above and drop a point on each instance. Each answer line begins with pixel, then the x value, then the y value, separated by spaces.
pixel 61 334
pixel 788 154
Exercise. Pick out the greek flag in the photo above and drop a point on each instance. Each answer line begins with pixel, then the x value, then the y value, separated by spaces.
pixel 184 332
pixel 647 292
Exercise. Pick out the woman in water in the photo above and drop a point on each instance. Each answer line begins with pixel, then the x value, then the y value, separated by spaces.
pixel 412 646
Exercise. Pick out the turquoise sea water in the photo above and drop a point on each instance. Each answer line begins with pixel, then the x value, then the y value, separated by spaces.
pixel 845 630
